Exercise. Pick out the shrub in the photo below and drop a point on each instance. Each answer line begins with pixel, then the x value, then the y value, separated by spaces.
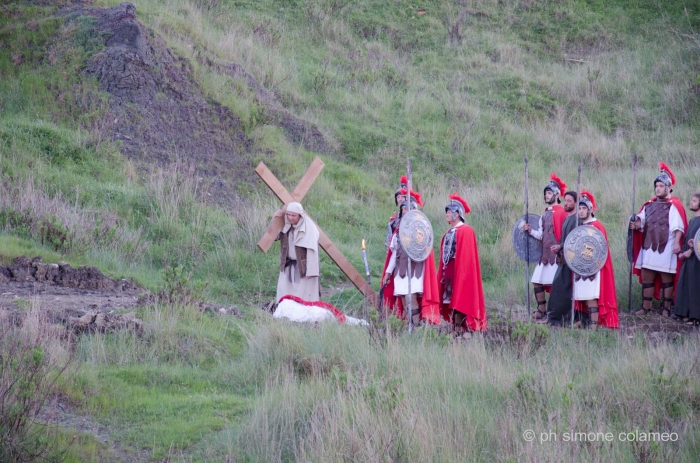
pixel 30 365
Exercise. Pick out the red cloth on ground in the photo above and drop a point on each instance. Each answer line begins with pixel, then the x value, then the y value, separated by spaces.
pixel 340 316
pixel 467 289
pixel 607 302
pixel 638 239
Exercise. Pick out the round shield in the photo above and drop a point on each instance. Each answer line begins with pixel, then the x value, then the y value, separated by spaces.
pixel 696 244
pixel 527 247
pixel 416 235
pixel 585 250
pixel 630 241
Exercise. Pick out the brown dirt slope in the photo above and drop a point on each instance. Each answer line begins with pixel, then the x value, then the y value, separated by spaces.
pixel 159 113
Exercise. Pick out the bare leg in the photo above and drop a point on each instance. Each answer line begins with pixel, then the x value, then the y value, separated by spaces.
pixel 415 309
pixel 648 277
pixel 666 293
pixel 459 319
pixel 593 312
pixel 541 303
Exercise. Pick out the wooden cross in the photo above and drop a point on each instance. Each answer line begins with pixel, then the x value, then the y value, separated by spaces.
pixel 297 195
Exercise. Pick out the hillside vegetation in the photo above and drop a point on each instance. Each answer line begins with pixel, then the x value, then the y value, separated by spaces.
pixel 463 89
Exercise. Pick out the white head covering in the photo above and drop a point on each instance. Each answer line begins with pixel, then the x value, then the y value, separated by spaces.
pixel 295 207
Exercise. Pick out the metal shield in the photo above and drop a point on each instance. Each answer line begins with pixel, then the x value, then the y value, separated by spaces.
pixel 630 241
pixel 696 244
pixel 522 241
pixel 416 235
pixel 585 250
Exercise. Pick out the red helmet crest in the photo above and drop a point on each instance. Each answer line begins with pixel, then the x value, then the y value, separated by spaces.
pixel 591 199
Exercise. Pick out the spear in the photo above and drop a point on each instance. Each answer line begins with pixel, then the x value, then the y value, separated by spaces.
pixel 364 257
pixel 409 186
pixel 527 243
pixel 632 217
pixel 578 222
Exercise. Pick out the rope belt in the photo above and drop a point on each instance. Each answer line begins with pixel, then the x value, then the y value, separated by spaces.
pixel 291 264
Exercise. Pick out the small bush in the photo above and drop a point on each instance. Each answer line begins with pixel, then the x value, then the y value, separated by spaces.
pixel 29 369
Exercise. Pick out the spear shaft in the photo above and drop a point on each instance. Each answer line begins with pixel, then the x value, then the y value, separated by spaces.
pixel 527 241
pixel 409 186
pixel 632 216
pixel 578 222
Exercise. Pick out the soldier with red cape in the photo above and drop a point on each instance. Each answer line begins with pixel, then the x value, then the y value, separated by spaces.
pixel 459 275
pixel 423 279
pixel 393 224
pixel 596 294
pixel 658 233
pixel 549 233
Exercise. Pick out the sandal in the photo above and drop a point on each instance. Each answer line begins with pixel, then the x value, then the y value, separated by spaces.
pixel 693 322
pixel 539 314
pixel 667 310
pixel 642 312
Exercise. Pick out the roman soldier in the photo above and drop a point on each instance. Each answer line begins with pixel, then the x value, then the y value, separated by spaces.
pixel 549 233
pixel 399 197
pixel 423 278
pixel 459 274
pixel 596 294
pixel 658 234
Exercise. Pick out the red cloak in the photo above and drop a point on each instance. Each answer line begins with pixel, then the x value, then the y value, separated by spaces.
pixel 607 302
pixel 391 302
pixel 429 301
pixel 558 217
pixel 467 289
pixel 638 239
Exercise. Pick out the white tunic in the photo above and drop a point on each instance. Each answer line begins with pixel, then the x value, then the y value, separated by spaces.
pixel 666 261
pixel 401 284
pixel 587 290
pixel 544 273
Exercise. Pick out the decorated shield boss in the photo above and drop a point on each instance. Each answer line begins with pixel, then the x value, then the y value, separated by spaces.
pixel 416 235
pixel 527 247
pixel 585 250
pixel 696 244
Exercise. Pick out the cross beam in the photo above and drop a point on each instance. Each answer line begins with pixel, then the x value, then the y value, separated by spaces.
pixel 272 232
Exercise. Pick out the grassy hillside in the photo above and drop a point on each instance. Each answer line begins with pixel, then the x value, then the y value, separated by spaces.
pixel 464 90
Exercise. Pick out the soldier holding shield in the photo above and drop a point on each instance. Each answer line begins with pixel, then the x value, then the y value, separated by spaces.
pixel 687 294
pixel 550 226
pixel 595 294
pixel 400 268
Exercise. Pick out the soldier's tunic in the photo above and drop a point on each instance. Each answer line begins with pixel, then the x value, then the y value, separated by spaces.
pixel 549 233
pixel 398 265
pixel 587 288
pixel 660 220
